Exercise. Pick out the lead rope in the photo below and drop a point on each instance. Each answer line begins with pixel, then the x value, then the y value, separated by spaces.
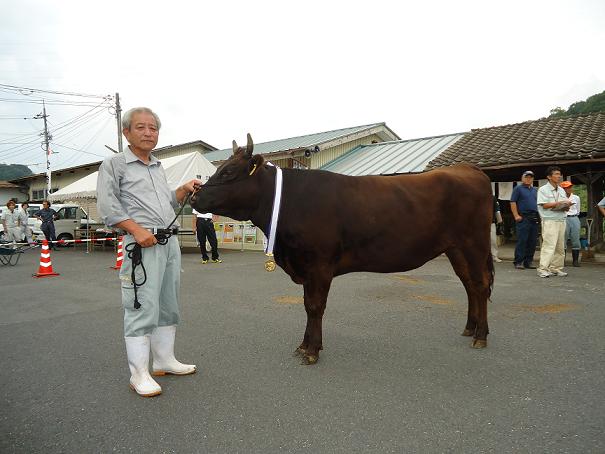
pixel 135 253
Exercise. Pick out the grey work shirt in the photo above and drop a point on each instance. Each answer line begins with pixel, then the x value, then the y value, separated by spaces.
pixel 23 216
pixel 11 219
pixel 127 188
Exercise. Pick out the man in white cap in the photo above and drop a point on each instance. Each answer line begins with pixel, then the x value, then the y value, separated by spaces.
pixel 525 211
pixel 133 195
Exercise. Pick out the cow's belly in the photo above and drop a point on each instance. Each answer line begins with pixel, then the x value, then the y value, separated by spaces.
pixel 386 263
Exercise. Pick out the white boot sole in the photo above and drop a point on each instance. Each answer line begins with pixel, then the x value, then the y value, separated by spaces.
pixel 151 394
pixel 159 373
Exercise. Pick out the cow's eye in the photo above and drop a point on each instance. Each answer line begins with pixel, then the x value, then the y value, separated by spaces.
pixel 228 175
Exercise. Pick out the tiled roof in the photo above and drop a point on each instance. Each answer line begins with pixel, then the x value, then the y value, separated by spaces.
pixel 7 184
pixel 295 143
pixel 549 139
pixel 387 158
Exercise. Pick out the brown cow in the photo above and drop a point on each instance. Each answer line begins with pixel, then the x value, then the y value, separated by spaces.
pixel 331 224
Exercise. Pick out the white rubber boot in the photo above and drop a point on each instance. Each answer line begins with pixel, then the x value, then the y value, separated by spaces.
pixel 137 349
pixel 162 347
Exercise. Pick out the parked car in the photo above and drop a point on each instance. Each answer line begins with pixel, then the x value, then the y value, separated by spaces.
pixel 33 207
pixel 69 218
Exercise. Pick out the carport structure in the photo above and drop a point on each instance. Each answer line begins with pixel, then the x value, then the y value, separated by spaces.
pixel 576 144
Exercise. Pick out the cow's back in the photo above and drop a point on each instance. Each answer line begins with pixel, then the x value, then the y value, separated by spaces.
pixel 381 223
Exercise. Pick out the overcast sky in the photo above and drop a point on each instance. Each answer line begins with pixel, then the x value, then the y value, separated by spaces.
pixel 216 70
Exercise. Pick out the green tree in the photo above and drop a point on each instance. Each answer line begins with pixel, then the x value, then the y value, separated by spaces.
pixel 594 103
pixel 12 171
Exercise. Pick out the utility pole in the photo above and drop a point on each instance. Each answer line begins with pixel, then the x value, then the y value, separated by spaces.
pixel 119 121
pixel 47 139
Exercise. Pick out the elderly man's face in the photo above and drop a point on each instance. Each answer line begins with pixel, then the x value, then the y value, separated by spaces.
pixel 555 177
pixel 143 133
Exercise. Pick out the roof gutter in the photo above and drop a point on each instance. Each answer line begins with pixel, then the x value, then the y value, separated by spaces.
pixel 545 162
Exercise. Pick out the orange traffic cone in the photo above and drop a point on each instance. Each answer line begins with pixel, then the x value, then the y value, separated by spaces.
pixel 120 257
pixel 46 266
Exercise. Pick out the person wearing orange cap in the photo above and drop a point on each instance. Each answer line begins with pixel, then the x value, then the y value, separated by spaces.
pixel 572 226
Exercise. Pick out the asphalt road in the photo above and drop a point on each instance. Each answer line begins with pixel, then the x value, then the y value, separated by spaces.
pixel 394 376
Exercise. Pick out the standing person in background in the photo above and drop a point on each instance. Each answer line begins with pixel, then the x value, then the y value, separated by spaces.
pixel 525 211
pixel 47 215
pixel 10 222
pixel 203 227
pixel 572 227
pixel 552 205
pixel 26 231
pixel 497 219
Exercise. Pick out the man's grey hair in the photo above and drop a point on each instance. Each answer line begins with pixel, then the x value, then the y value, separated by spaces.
pixel 127 118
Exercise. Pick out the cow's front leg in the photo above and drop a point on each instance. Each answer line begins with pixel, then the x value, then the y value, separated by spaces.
pixel 316 295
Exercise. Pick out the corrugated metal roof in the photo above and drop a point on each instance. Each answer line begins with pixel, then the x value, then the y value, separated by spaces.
pixel 387 158
pixel 293 143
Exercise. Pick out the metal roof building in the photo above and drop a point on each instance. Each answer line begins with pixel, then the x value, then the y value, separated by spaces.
pixel 324 140
pixel 388 158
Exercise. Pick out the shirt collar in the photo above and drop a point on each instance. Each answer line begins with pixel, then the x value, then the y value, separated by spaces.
pixel 131 157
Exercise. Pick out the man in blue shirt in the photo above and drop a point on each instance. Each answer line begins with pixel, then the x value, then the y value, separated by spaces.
pixel 524 206
pixel 47 215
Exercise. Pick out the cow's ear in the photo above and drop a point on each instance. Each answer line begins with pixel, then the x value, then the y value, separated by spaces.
pixel 255 163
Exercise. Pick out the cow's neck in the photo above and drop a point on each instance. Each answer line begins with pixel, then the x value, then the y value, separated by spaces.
pixel 261 217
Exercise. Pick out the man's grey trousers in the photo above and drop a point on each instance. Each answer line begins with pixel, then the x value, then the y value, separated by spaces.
pixel 159 295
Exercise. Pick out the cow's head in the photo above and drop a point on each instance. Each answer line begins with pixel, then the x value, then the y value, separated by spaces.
pixel 235 188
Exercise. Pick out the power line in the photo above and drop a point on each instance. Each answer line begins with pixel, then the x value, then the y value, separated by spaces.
pixel 65 123
pixel 66 93
pixel 12 148
pixel 73 156
pixel 53 103
pixel 77 149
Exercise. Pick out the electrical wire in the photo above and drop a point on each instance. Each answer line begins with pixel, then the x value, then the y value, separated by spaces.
pixel 94 137
pixel 78 149
pixel 49 103
pixel 66 93
pixel 65 123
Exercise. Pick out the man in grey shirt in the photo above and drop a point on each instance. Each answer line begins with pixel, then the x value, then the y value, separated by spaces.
pixel 10 222
pixel 133 195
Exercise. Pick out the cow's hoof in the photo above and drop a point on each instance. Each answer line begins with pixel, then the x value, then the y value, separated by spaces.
pixel 299 352
pixel 479 343
pixel 467 332
pixel 309 359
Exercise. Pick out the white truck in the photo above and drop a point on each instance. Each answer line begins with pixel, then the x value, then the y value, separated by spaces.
pixel 69 218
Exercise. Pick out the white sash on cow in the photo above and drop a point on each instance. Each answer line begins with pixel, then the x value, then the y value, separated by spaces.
pixel 275 212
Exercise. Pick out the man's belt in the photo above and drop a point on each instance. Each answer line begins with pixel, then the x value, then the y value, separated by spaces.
pixel 572 215
pixel 157 231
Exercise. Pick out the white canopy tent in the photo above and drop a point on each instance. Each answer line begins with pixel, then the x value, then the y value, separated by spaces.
pixel 179 169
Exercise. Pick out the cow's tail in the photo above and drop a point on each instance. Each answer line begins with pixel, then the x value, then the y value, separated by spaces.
pixel 492 273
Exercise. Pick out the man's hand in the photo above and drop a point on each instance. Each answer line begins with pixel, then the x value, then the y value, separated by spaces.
pixel 187 188
pixel 518 218
pixel 144 237
pixel 141 235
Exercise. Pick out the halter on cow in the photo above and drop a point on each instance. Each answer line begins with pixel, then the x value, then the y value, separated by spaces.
pixel 331 224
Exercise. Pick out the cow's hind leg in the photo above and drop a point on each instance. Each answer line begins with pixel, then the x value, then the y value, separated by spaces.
pixel 476 274
pixel 316 295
